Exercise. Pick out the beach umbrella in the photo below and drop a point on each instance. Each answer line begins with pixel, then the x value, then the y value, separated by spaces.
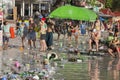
pixel 74 13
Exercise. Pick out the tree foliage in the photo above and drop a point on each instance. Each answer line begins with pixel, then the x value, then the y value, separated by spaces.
pixel 57 3
pixel 116 5
pixel 92 2
pixel 113 4
pixel 108 3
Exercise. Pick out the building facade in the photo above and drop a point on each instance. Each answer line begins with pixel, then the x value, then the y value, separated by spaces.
pixel 29 7
pixel 7 8
pixel 23 8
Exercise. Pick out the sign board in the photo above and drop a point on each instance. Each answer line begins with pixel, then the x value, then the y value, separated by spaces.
pixel 1 33
pixel 1 15
pixel 1 38
pixel 15 13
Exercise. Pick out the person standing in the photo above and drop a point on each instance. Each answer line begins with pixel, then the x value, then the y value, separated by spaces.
pixel 83 28
pixel 69 33
pixel 43 28
pixel 76 35
pixel 6 34
pixel 31 34
pixel 116 28
pixel 23 32
pixel 49 34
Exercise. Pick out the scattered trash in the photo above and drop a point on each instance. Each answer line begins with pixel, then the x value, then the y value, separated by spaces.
pixel 25 53
pixel 10 59
pixel 4 78
pixel 21 48
pixel 61 44
pixel 52 55
pixel 17 64
pixel 36 77
pixel 56 44
pixel 27 67
pixel 101 48
pixel 62 66
pixel 79 61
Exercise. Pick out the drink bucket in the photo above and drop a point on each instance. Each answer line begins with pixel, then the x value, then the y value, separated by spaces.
pixel 12 32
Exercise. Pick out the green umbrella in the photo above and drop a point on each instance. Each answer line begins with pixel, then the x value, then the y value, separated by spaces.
pixel 72 12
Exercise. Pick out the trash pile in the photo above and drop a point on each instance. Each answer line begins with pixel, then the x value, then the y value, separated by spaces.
pixel 27 71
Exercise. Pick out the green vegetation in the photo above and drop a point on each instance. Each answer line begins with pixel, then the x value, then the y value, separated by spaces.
pixel 116 5
pixel 92 2
pixel 108 3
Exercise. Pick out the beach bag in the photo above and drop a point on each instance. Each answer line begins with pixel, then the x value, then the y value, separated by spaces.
pixel 38 35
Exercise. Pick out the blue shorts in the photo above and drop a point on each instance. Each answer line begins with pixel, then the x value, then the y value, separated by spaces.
pixel 32 36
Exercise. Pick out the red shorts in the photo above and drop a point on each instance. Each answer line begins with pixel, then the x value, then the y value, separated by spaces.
pixel 119 48
pixel 73 31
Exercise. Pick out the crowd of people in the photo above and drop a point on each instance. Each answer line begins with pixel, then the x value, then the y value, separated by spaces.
pixel 28 29
pixel 45 27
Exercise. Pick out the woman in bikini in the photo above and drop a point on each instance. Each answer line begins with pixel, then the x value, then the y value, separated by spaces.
pixel 76 35
pixel 113 47
pixel 94 38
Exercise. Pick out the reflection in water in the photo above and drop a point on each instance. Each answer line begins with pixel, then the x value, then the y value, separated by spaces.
pixel 93 69
pixel 114 68
pixel 105 70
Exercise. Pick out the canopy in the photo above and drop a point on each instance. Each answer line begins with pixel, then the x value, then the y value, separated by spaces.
pixel 74 13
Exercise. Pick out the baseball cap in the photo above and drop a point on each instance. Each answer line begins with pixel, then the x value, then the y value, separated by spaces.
pixel 43 19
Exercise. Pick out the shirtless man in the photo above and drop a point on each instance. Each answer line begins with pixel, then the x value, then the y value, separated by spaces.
pixel 49 34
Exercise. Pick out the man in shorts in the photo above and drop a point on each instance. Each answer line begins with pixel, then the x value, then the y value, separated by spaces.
pixel 6 34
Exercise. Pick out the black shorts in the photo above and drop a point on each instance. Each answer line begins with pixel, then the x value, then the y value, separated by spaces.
pixel 5 39
pixel 43 37
pixel 69 33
